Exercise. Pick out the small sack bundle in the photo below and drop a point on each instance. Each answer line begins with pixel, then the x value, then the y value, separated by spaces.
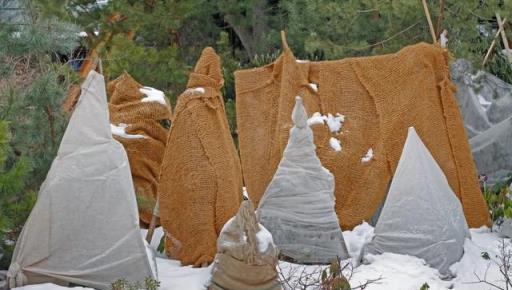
pixel 201 179
pixel 298 205
pixel 246 255
pixel 140 120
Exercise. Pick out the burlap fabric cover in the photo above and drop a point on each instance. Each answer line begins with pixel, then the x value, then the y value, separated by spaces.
pixel 201 180
pixel 145 154
pixel 246 255
pixel 421 217
pixel 298 205
pixel 380 96
pixel 84 227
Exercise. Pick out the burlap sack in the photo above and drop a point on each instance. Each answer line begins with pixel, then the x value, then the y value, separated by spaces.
pixel 246 255
pixel 145 154
pixel 201 180
pixel 381 97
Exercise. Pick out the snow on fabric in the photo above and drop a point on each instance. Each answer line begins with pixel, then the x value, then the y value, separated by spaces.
pixel 335 144
pixel 298 205
pixel 246 255
pixel 120 130
pixel 368 156
pixel 83 228
pixel 153 95
pixel 421 216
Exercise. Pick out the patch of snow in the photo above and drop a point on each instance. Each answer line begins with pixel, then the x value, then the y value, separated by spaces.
pixel 357 238
pixel 485 103
pixel 443 39
pixel 368 156
pixel 244 192
pixel 316 119
pixel 199 90
pixel 335 144
pixel 264 239
pixel 152 95
pixel 335 122
pixel 82 34
pixel 150 252
pixel 302 60
pixel 314 87
pixel 120 130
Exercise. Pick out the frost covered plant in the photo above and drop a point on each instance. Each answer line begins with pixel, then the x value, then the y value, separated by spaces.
pixel 503 260
pixel 123 284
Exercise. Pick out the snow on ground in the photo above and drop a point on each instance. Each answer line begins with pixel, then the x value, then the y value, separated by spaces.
pixel 396 272
pixel 152 95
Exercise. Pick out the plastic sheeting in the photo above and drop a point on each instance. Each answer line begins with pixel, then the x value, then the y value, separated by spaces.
pixel 422 216
pixel 84 226
pixel 486 105
pixel 492 151
pixel 298 205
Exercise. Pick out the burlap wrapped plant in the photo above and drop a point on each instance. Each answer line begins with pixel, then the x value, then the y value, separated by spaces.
pixel 140 119
pixel 201 179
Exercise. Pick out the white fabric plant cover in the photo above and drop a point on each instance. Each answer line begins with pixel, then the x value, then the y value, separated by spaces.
pixel 421 216
pixel 492 151
pixel 84 226
pixel 298 205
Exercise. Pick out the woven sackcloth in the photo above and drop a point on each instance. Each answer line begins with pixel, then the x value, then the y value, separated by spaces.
pixel 246 255
pixel 381 97
pixel 201 181
pixel 145 154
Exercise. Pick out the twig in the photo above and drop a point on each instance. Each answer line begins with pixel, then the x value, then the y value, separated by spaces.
pixel 493 43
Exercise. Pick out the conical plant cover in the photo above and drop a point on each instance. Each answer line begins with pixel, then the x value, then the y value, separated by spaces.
pixel 492 151
pixel 422 216
pixel 201 179
pixel 149 119
pixel 298 205
pixel 246 255
pixel 83 228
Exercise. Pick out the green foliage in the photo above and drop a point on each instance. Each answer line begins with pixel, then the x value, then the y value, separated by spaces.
pixel 148 284
pixel 485 256
pixel 498 199
pixel 332 278
pixel 156 67
pixel 425 286
pixel 13 207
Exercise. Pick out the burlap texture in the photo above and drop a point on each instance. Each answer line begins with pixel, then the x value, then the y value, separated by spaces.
pixel 240 263
pixel 201 180
pixel 381 97
pixel 144 154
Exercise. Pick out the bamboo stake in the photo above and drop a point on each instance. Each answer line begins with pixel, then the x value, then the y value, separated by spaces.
pixel 440 19
pixel 429 20
pixel 493 43
pixel 152 224
pixel 508 53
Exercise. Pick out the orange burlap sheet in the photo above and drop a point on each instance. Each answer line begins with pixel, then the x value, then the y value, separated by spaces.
pixel 201 182
pixel 380 97
pixel 144 154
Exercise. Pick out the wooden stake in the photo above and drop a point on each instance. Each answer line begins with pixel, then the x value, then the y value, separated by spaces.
pixel 493 43
pixel 429 20
pixel 152 224
pixel 508 53
pixel 440 19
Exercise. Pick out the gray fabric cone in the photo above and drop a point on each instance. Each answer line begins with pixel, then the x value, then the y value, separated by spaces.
pixel 246 255
pixel 422 216
pixel 492 151
pixel 83 228
pixel 298 205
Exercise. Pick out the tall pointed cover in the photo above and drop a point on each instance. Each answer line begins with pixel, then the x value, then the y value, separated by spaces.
pixel 84 226
pixel 298 205
pixel 422 216
pixel 201 179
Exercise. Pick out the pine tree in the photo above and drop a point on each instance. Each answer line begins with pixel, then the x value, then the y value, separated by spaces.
pixel 33 83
